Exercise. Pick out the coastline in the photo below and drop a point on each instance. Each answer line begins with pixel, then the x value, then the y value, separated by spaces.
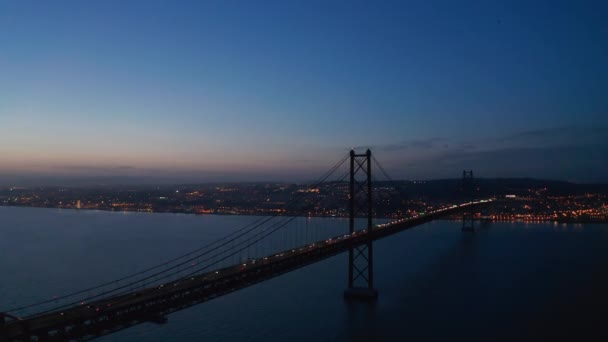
pixel 234 213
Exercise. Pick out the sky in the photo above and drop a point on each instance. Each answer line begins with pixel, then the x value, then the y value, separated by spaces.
pixel 204 91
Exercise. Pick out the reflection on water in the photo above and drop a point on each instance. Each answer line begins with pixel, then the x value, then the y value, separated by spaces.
pixel 517 280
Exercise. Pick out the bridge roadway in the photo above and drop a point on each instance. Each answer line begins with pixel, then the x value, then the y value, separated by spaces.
pixel 94 319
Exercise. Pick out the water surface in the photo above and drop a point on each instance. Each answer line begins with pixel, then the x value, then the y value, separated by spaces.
pixel 509 280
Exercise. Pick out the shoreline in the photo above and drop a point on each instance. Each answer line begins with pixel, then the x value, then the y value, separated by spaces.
pixel 143 211
pixel 577 221
pixel 531 221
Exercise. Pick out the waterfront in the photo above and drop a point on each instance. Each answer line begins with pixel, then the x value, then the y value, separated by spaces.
pixel 536 200
pixel 508 279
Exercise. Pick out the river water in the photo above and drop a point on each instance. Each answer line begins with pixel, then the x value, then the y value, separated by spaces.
pixel 507 280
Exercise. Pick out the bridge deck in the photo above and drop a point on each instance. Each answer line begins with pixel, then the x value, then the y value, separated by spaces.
pixel 105 316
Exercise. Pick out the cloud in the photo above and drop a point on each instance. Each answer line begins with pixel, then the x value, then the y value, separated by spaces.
pixel 413 144
pixel 92 168
pixel 577 153
pixel 573 135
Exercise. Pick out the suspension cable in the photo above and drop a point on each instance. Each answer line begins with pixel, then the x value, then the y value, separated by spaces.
pixel 242 232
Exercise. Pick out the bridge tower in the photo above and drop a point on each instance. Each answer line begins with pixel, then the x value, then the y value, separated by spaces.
pixel 360 259
pixel 468 190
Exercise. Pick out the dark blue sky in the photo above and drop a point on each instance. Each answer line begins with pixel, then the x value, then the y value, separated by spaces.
pixel 277 90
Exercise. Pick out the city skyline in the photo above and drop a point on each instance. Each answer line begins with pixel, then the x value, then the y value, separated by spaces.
pixel 205 92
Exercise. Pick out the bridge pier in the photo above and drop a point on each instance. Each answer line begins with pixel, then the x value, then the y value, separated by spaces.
pixel 360 293
pixel 468 189
pixel 468 222
pixel 361 258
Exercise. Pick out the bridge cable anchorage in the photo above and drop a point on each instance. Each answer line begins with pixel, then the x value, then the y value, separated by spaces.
pixel 243 231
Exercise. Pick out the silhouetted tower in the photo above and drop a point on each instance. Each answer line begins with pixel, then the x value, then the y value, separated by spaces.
pixel 468 191
pixel 360 259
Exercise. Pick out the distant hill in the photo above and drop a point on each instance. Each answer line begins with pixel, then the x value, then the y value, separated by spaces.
pixel 451 188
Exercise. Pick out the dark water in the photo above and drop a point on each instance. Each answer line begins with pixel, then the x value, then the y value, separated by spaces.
pixel 507 281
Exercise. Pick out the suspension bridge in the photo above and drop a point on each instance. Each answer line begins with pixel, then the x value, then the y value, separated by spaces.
pixel 249 255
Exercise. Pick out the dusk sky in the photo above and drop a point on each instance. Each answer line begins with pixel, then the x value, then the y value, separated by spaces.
pixel 195 91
